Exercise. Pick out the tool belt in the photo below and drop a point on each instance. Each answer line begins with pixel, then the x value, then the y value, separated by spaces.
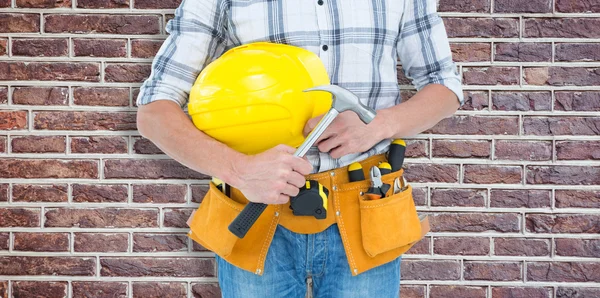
pixel 374 232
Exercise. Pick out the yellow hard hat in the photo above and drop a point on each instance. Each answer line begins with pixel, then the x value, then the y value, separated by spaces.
pixel 251 98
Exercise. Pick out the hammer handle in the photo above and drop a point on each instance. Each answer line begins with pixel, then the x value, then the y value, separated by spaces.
pixel 246 219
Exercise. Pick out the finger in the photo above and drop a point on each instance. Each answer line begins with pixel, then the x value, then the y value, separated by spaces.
pixel 290 190
pixel 338 152
pixel 286 149
pixel 296 179
pixel 301 166
pixel 329 144
pixel 311 124
pixel 282 199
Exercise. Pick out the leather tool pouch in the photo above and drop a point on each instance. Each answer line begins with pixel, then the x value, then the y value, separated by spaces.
pixel 390 222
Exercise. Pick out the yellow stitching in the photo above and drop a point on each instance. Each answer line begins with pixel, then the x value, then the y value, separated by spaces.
pixel 263 252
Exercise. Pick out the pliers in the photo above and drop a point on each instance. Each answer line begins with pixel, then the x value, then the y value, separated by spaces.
pixel 378 189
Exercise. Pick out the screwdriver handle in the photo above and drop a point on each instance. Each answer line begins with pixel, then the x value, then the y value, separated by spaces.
pixel 244 221
pixel 396 154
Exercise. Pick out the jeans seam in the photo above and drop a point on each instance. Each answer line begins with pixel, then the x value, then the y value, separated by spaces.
pixel 326 232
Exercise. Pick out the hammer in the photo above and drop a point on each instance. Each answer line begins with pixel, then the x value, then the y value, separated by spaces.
pixel 343 100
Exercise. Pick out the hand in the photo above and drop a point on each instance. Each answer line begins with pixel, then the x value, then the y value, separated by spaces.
pixel 347 134
pixel 273 176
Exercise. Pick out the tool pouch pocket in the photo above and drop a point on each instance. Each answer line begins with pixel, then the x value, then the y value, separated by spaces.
pixel 389 223
pixel 209 224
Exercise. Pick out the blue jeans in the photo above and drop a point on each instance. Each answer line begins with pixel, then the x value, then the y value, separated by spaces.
pixel 292 258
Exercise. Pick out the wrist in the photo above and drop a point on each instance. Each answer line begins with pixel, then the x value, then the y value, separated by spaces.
pixel 383 127
pixel 232 174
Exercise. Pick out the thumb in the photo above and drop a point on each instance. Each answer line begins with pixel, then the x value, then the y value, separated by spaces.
pixel 310 125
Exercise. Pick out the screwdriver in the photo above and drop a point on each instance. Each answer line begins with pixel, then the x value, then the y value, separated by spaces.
pixel 396 154
pixel 385 168
pixel 355 172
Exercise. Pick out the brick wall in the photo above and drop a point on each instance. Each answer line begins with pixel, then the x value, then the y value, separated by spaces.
pixel 88 208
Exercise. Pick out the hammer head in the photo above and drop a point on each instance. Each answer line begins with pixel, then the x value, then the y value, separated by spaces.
pixel 344 100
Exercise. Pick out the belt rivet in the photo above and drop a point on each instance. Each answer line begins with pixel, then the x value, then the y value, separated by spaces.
pixel 332 173
pixel 276 213
pixel 337 213
pixel 355 270
pixel 334 187
pixel 257 271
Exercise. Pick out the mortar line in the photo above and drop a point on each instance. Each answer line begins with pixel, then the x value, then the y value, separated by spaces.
pixel 42 22
pixel 10 282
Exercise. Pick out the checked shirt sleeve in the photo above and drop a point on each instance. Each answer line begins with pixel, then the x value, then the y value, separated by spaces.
pixel 197 34
pixel 423 48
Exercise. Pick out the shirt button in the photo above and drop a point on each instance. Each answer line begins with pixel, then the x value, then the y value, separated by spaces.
pixel 325 48
pixel 320 2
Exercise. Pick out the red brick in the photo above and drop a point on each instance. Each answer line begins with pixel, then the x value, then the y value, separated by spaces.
pixel 159 193
pixel 494 75
pixel 577 198
pixel 522 101
pixel 40 289
pixel 577 52
pixel 88 289
pixel 430 270
pixel 157 4
pixel 100 47
pixel 5 3
pixel 19 217
pixel 477 125
pixel 419 196
pixel 13 120
pixel 577 150
pixel 569 175
pixel 44 3
pixel 562 27
pixel 464 6
pixel 529 292
pixel 38 144
pixel 522 198
pixel 159 242
pixel 48 168
pixel 523 52
pixel 91 193
pixel 145 48
pixel 41 96
pixel 577 101
pixel 523 150
pixel 473 246
pixel 4 289
pixel 487 174
pixel 101 218
pixel 197 247
pixel 561 126
pixel 562 76
pixel 102 23
pixel 145 146
pixel 3 95
pixel 4 239
pixel 458 197
pixel 563 271
pixel 457 291
pixel 96 242
pixel 159 289
pixel 402 79
pixel 461 148
pixel 19 22
pixel 47 47
pixel 494 271
pixel 470 52
pixel 75 120
pixel 421 247
pixel 3 47
pixel 474 222
pixel 149 169
pixel 521 247
pixel 422 173
pixel 589 248
pixel 475 100
pixel 411 291
pixel 3 147
pixel 99 96
pixel 205 290
pixel 99 144
pixel 127 72
pixel 52 242
pixel 102 3
pixel 64 266
pixel 516 6
pixel 417 148
pixel 177 218
pixel 577 6
pixel 577 292
pixel 40 193
pixel 563 223
pixel 4 192
pixel 157 267
pixel 482 27
pixel 49 71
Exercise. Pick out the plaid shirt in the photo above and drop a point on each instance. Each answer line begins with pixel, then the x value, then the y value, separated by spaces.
pixel 359 42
